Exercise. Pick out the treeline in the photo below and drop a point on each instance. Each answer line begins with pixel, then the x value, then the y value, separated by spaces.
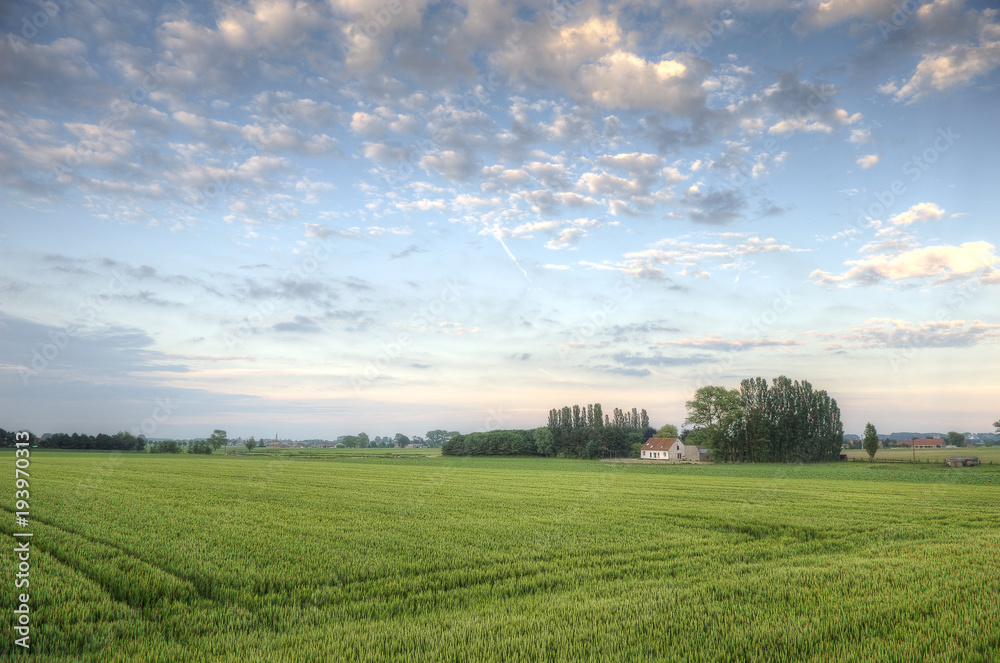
pixel 782 422
pixel 120 441
pixel 176 447
pixel 9 437
pixel 514 442
pixel 435 438
pixel 586 432
pixel 572 432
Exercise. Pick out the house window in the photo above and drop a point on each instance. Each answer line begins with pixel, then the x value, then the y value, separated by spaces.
pixel 678 456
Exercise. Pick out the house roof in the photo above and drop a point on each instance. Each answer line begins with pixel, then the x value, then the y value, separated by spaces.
pixel 659 443
pixel 927 440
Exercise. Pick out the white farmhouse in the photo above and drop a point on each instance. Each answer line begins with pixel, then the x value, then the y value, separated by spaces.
pixel 671 448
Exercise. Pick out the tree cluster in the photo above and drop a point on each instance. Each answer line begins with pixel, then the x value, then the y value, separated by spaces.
pixel 954 438
pixel 9 437
pixel 120 441
pixel 435 438
pixel 200 447
pixel 782 422
pixel 586 432
pixel 165 447
pixel 572 432
pixel 493 443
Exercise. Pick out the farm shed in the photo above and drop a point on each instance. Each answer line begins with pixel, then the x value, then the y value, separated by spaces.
pixel 927 443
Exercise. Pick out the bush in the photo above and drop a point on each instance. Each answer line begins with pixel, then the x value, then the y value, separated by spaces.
pixel 199 448
pixel 168 447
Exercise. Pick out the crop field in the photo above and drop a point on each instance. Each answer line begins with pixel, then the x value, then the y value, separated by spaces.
pixel 354 557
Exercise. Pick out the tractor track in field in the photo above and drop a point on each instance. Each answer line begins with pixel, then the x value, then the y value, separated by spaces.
pixel 125 551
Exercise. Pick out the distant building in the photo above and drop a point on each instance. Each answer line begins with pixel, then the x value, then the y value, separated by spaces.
pixel 927 443
pixel 671 448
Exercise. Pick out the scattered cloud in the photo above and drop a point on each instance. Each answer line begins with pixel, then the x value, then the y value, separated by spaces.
pixel 717 342
pixel 877 333
pixel 935 264
pixel 868 161
pixel 920 212
pixel 948 62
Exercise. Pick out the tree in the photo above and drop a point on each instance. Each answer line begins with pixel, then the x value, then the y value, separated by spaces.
pixel 125 441
pixel 250 443
pixel 667 430
pixel 712 405
pixel 783 422
pixel 699 437
pixel 996 424
pixel 200 447
pixel 439 436
pixel 715 410
pixel 955 438
pixel 543 441
pixel 219 438
pixel 165 447
pixel 363 440
pixel 401 440
pixel 870 441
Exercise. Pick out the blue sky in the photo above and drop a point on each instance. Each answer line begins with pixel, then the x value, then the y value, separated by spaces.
pixel 321 218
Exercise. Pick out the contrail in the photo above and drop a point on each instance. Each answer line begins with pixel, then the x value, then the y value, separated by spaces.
pixel 499 239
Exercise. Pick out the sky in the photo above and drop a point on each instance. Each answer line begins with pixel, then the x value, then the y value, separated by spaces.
pixel 310 219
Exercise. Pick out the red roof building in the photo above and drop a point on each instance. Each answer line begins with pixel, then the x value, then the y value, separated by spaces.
pixel 927 443
pixel 671 448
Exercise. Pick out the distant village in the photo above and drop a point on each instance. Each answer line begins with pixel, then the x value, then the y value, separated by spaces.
pixel 951 440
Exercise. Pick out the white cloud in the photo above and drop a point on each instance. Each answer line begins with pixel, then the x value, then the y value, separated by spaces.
pixel 933 263
pixel 628 81
pixel 368 125
pixel 607 184
pixel 950 65
pixel 813 123
pixel 526 229
pixel 566 238
pixel 635 162
pixel 868 161
pixel 881 333
pixel 821 14
pixel 453 165
pixel 714 341
pixel 860 137
pixel 690 255
pixel 919 212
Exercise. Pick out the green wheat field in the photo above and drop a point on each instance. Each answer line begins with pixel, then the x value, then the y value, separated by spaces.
pixel 384 556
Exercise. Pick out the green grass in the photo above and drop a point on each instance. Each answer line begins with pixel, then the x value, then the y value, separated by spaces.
pixel 341 453
pixel 364 557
